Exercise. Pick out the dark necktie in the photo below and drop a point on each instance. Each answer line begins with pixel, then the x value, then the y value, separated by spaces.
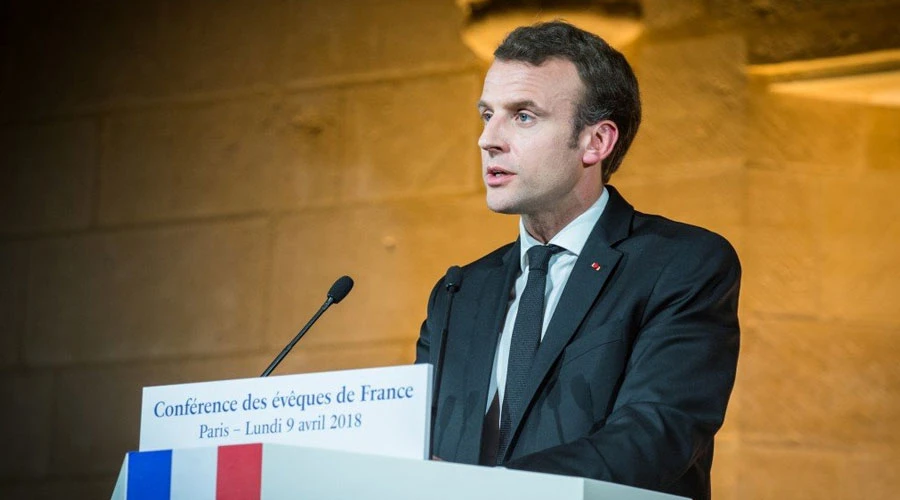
pixel 526 338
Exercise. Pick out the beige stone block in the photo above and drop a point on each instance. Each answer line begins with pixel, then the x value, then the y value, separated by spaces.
pixel 373 37
pixel 875 476
pixel 807 135
pixel 819 383
pixel 49 174
pixel 210 46
pixel 784 200
pixel 413 138
pixel 311 357
pixel 773 473
pixel 782 271
pixel 67 57
pixel 861 254
pixel 767 10
pixel 785 244
pixel 222 158
pixel 147 294
pixel 311 163
pixel 395 252
pixel 694 102
pixel 883 147
pixel 97 418
pixel 726 467
pixel 318 357
pixel 13 289
pixel 779 31
pixel 25 424
pixel 668 13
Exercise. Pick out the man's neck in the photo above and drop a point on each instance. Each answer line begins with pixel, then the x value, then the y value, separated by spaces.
pixel 543 227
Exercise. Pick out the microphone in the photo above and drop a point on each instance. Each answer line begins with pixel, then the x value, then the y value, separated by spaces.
pixel 339 290
pixel 336 293
pixel 452 283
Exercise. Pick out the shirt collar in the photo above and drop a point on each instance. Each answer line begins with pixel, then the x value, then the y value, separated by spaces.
pixel 572 238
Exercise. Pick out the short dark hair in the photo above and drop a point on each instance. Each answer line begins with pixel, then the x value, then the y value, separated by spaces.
pixel 611 89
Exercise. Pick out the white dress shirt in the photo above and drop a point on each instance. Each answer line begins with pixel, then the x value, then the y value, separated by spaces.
pixel 572 239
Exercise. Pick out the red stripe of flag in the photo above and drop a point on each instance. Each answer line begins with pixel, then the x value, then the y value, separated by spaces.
pixel 239 472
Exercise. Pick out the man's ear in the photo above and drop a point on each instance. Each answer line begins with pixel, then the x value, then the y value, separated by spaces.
pixel 603 136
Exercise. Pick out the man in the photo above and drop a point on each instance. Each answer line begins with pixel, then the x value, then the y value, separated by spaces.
pixel 603 342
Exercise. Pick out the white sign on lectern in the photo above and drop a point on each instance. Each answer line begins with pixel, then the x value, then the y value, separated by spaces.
pixel 382 411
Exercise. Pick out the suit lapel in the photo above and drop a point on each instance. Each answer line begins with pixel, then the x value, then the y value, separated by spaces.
pixel 490 314
pixel 582 290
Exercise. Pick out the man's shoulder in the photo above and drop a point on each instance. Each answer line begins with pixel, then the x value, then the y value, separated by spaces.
pixel 673 236
pixel 645 223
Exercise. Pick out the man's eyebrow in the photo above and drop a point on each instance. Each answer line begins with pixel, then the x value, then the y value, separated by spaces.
pixel 516 105
pixel 527 103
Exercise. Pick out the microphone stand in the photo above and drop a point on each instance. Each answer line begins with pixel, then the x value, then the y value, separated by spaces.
pixel 336 293
pixel 454 278
pixel 275 362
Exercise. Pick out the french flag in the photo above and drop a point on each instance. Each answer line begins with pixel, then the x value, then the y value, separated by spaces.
pixel 223 473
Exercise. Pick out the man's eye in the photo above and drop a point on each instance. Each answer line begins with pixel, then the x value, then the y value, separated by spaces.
pixel 486 115
pixel 524 117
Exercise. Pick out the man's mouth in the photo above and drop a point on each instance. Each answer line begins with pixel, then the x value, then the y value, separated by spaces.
pixel 497 172
pixel 496 177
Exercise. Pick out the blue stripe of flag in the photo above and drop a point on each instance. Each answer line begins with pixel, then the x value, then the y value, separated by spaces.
pixel 149 475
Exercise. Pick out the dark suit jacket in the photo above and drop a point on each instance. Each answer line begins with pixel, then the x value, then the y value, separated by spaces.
pixel 632 378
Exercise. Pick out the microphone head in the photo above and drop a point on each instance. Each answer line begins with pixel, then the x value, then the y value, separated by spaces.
pixel 340 289
pixel 453 279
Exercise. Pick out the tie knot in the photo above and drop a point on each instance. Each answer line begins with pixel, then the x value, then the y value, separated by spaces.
pixel 539 256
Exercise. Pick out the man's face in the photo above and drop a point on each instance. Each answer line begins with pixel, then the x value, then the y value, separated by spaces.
pixel 529 163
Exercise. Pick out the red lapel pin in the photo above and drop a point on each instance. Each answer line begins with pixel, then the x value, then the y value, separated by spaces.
pixel 595 266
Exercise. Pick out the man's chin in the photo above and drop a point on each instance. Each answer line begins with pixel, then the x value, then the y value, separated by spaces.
pixel 500 207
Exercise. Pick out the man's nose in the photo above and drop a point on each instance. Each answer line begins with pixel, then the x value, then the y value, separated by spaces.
pixel 493 137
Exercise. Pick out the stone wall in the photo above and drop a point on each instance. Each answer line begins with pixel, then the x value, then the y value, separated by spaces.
pixel 182 182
